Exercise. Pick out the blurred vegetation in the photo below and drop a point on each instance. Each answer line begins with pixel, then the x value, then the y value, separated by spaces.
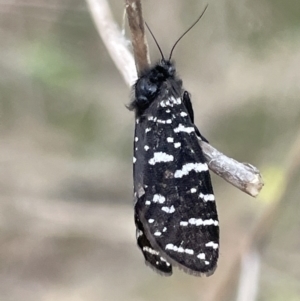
pixel 66 145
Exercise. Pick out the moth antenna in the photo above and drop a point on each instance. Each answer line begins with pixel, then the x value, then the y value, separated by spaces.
pixel 187 31
pixel 162 55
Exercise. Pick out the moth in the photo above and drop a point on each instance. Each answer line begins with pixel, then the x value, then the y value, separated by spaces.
pixel 174 205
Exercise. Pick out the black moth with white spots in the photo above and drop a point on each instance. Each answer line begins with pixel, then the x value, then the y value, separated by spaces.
pixel 175 212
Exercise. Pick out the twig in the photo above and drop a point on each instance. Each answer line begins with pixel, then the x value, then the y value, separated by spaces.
pixel 114 41
pixel 138 37
pixel 243 176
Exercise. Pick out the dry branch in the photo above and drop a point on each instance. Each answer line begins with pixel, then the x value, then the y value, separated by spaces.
pixel 138 37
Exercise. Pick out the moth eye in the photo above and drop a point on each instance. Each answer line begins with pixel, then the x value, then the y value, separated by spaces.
pixel 145 91
pixel 143 101
pixel 171 70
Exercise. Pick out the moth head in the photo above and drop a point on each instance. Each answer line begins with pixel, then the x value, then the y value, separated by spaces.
pixel 145 91
pixel 168 67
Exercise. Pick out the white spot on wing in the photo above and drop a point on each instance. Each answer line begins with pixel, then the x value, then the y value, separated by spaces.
pixel 179 249
pixel 157 233
pixel 147 130
pixel 192 221
pixel 170 139
pixel 158 198
pixel 147 203
pixel 168 121
pixel 136 139
pixel 183 114
pixel 134 159
pixel 176 101
pixel 201 256
pixel 212 245
pixel 150 220
pixel 177 144
pixel 162 259
pixel 146 147
pixel 201 222
pixel 160 157
pixel 210 222
pixel 193 190
pixel 150 250
pixel 169 247
pixel 186 168
pixel 168 209
pixel 162 104
pixel 183 223
pixel 207 197
pixel 168 103
pixel 189 251
pixel 182 128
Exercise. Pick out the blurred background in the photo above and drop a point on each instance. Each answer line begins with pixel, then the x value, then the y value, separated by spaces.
pixel 66 209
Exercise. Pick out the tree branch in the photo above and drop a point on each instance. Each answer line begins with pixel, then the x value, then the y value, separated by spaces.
pixel 242 175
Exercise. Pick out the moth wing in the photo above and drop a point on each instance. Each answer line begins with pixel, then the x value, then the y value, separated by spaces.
pixel 152 257
pixel 174 197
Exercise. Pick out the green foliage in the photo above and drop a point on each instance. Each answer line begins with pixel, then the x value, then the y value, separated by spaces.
pixel 51 65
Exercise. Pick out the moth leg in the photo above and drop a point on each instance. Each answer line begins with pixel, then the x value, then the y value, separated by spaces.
pixel 188 104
